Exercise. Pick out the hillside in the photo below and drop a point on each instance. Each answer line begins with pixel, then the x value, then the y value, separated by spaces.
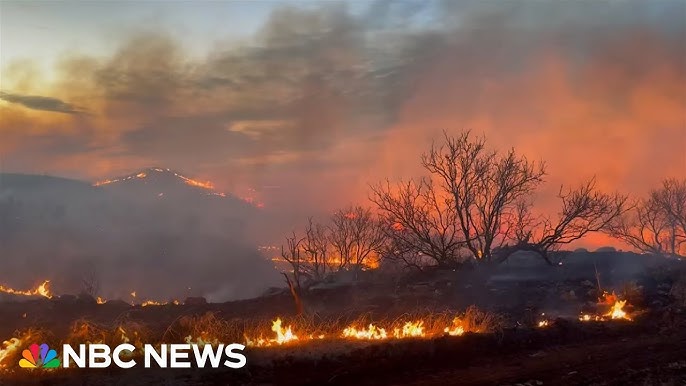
pixel 147 234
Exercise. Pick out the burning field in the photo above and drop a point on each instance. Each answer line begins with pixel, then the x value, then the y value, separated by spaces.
pixel 561 330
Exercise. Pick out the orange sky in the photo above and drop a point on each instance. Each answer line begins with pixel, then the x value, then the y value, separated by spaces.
pixel 309 123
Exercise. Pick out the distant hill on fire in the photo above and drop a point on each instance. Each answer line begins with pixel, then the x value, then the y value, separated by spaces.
pixel 155 231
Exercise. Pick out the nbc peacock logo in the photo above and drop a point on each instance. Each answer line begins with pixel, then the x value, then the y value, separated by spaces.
pixel 39 357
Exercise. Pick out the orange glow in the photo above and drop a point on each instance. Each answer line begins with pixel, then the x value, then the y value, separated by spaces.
pixel 616 310
pixel 42 290
pixel 283 335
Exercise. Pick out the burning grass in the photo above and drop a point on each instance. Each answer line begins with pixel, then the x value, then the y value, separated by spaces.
pixel 210 328
pixel 42 289
pixel 614 306
pixel 11 349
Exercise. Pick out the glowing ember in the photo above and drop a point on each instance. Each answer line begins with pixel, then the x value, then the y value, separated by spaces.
pixel 41 290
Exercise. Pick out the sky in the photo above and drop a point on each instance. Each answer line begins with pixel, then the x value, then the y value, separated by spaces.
pixel 309 102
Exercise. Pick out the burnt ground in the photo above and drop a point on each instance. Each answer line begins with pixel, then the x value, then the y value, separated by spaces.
pixel 650 350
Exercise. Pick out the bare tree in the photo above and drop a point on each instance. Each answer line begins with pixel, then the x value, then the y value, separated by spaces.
pixel 671 199
pixel 316 247
pixel 484 185
pixel 355 236
pixel 419 223
pixel 91 283
pixel 656 224
pixel 291 253
pixel 584 210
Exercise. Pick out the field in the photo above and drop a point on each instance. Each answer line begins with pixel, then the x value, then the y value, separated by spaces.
pixel 522 323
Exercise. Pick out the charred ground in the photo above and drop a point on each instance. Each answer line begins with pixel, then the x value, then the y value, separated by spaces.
pixel 647 350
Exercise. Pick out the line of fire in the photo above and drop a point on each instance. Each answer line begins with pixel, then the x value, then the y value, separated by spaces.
pixel 382 192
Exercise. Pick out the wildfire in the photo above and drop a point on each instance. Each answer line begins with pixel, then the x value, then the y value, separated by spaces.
pixel 42 290
pixel 201 341
pixel 283 335
pixel 7 350
pixel 616 309
pixel 410 330
pixel 156 303
pixel 189 181
pixel 371 333
pixel 10 348
pixel 543 322
pixel 206 185
pixel 457 328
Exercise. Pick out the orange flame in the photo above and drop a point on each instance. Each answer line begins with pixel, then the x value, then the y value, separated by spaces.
pixel 42 290
pixel 283 336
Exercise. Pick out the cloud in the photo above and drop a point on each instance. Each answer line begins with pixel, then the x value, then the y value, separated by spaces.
pixel 322 101
pixel 42 103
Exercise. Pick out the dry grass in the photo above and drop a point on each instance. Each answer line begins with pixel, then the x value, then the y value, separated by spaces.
pixel 10 350
pixel 632 293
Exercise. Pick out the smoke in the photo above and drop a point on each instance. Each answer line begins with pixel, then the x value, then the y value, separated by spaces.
pixel 323 100
pixel 126 237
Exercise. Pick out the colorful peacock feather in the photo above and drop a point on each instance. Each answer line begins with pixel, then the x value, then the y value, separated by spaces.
pixel 39 357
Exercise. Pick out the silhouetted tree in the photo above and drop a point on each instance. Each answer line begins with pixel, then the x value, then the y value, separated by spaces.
pixel 418 223
pixel 485 186
pixel 356 237
pixel 291 253
pixel 584 210
pixel 656 224
pixel 315 245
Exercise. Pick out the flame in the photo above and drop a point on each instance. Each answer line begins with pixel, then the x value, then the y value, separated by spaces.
pixel 457 328
pixel 372 333
pixel 283 335
pixel 8 348
pixel 616 309
pixel 156 303
pixel 543 323
pixel 42 290
pixel 101 300
pixel 410 330
pixel 201 341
